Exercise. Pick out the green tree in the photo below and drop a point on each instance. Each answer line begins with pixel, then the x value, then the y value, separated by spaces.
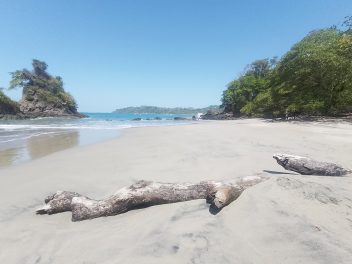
pixel 38 83
pixel 315 75
pixel 313 78
pixel 245 89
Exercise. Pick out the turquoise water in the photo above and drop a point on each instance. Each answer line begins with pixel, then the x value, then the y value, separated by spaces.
pixel 23 140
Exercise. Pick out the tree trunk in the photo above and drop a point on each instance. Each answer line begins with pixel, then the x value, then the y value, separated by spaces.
pixel 307 166
pixel 146 193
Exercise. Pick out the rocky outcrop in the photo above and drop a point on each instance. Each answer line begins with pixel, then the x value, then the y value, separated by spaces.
pixel 35 108
pixel 179 118
pixel 43 95
pixel 217 115
pixel 38 103
pixel 8 109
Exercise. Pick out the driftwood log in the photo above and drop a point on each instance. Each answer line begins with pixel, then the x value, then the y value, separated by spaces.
pixel 307 166
pixel 144 194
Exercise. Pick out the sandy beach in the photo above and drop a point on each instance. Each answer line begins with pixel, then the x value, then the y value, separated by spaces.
pixel 287 219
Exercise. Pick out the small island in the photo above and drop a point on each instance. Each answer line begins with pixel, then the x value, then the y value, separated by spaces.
pixel 43 95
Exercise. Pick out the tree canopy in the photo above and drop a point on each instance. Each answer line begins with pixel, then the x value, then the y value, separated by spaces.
pixel 313 78
pixel 245 89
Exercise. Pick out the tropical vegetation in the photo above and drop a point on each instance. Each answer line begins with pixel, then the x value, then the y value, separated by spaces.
pixel 7 106
pixel 313 78
pixel 38 84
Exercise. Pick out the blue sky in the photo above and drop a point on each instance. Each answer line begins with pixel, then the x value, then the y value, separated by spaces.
pixel 113 54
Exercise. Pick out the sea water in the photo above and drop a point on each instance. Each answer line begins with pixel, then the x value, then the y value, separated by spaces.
pixel 23 140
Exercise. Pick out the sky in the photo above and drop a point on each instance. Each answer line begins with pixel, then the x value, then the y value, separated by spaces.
pixel 120 53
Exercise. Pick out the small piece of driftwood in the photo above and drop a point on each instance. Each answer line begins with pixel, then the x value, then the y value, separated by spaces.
pixel 307 166
pixel 144 194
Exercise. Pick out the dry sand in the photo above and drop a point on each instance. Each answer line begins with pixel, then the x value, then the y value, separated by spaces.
pixel 287 219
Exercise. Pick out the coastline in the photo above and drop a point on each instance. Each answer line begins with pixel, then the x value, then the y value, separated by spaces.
pixel 22 141
pixel 305 218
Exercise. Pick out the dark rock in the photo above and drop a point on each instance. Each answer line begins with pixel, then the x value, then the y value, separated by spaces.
pixel 178 118
pixel 43 95
pixel 137 119
pixel 18 116
pixel 157 118
pixel 217 115
pixel 9 109
pixel 36 107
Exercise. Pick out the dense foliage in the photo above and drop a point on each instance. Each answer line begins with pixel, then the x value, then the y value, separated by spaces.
pixel 246 88
pixel 38 84
pixel 313 78
pixel 164 110
pixel 7 106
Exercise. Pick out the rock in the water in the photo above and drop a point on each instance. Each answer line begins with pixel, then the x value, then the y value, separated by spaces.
pixel 217 115
pixel 43 95
pixel 178 118
pixel 34 105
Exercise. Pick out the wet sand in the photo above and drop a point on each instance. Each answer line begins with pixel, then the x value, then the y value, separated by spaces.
pixel 43 143
pixel 287 219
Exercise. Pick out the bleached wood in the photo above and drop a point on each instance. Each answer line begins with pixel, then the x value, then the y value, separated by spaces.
pixel 144 194
pixel 307 166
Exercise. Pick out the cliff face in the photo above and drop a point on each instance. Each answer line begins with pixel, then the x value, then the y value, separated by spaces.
pixel 38 104
pixel 217 115
pixel 41 103
pixel 43 95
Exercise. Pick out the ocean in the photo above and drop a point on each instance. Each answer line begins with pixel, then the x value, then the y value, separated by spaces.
pixel 24 140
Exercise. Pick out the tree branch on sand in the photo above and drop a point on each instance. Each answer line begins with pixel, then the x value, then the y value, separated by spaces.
pixel 146 193
pixel 307 166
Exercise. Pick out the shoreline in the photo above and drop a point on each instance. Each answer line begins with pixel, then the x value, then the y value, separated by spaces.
pixel 13 156
pixel 48 140
pixel 304 217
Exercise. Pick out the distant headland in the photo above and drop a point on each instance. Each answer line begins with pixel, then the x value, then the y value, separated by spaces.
pixel 165 110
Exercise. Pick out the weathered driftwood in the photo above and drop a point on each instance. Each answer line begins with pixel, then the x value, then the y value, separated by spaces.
pixel 307 166
pixel 144 194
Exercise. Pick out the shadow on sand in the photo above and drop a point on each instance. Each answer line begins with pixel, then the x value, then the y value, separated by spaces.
pixel 280 172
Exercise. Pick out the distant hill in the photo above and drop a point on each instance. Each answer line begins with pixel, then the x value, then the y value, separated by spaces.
pixel 164 110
